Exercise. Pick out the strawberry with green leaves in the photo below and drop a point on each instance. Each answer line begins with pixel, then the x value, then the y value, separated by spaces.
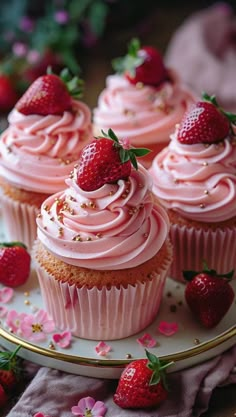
pixel 105 161
pixel 205 122
pixel 208 295
pixel 14 264
pixel 141 65
pixel 143 383
pixel 50 94
pixel 10 370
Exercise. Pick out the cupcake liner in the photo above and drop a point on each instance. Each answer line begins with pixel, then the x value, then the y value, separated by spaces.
pixel 19 221
pixel 104 314
pixel 192 246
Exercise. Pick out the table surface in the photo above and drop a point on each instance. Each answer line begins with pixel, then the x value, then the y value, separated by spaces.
pixel 96 67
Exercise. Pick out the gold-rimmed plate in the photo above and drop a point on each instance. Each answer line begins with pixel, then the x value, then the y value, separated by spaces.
pixel 190 345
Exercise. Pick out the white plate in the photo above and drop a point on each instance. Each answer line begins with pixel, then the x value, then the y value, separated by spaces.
pixel 192 344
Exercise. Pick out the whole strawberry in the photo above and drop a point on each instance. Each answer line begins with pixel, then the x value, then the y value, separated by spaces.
pixel 105 161
pixel 205 122
pixel 142 383
pixel 14 264
pixel 50 94
pixel 10 369
pixel 141 65
pixel 208 295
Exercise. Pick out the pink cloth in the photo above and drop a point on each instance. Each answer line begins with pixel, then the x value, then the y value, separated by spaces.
pixel 54 392
pixel 203 51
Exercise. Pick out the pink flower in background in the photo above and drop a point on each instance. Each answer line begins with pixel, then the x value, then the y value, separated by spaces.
pixel 33 56
pixel 61 17
pixel 102 349
pixel 62 339
pixel 88 407
pixel 6 294
pixel 19 49
pixel 147 341
pixel 168 329
pixel 14 319
pixel 35 327
pixel 26 24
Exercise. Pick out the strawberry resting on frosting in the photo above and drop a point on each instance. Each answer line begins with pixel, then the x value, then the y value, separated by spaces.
pixel 50 94
pixel 105 161
pixel 205 122
pixel 142 65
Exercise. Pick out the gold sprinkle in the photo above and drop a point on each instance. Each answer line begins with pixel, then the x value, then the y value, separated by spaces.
pixel 27 302
pixel 60 229
pixel 206 192
pixel 196 341
pixel 176 181
pixel 205 164
pixel 39 215
pixel 45 207
pixel 57 200
pixel 77 238
pixel 99 235
pixel 177 125
pixel 76 165
pixel 128 356
pixel 52 219
pixel 92 204
pixel 68 162
pixel 202 206
pixel 45 227
pixel 71 175
pixel 72 211
pixel 59 217
pixel 89 239
pixel 26 293
pixel 128 112
pixel 71 198
pixel 111 193
pixel 9 150
pixel 83 205
pixel 139 85
pixel 51 346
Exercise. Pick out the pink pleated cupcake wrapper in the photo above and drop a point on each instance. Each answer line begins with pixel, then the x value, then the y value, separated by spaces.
pixel 192 246
pixel 105 314
pixel 19 221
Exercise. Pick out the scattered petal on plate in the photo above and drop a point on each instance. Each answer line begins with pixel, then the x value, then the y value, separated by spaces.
pixel 6 294
pixel 62 339
pixel 102 349
pixel 147 341
pixel 167 329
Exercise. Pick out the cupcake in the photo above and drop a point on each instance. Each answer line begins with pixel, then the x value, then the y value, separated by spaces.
pixel 47 129
pixel 103 246
pixel 195 180
pixel 143 101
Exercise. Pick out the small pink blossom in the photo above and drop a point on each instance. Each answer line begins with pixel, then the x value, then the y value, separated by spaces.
pixel 39 414
pixel 35 327
pixel 62 339
pixel 167 329
pixel 102 349
pixel 19 49
pixel 33 56
pixel 61 17
pixel 147 341
pixel 6 294
pixel 14 320
pixel 3 311
pixel 88 407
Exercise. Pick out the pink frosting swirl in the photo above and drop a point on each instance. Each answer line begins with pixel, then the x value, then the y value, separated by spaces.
pixel 198 181
pixel 115 227
pixel 141 114
pixel 38 152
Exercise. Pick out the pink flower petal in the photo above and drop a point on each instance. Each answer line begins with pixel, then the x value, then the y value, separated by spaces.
pixel 147 341
pixel 3 311
pixel 14 319
pixel 167 329
pixel 97 409
pixel 6 294
pixel 102 349
pixel 62 339
pixel 39 414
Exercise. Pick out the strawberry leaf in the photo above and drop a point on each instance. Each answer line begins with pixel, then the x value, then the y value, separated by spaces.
pixel 130 61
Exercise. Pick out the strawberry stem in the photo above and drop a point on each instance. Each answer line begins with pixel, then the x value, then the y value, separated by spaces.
pixel 190 274
pixel 130 61
pixel 125 154
pixel 7 359
pixel 212 99
pixel 159 369
pixel 12 244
